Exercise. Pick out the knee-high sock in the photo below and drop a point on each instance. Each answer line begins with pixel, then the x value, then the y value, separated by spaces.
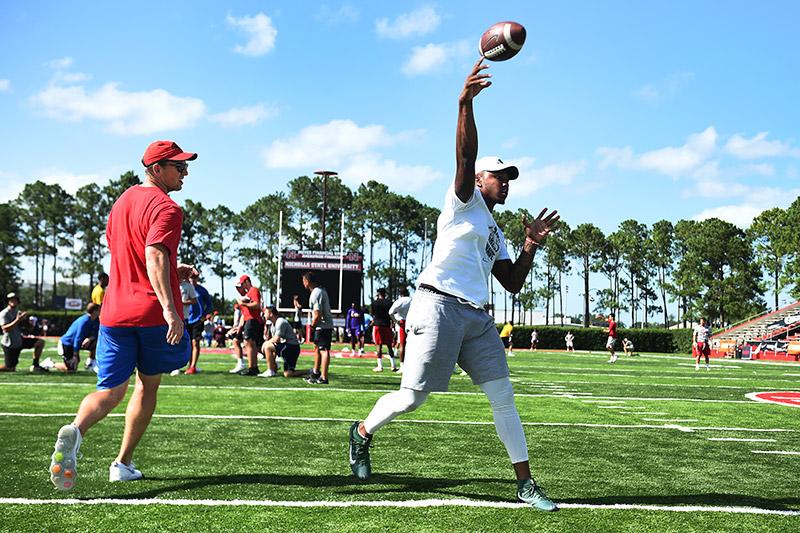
pixel 392 405
pixel 506 418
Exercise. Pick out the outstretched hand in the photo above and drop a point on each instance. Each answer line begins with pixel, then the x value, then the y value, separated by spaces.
pixel 476 81
pixel 539 228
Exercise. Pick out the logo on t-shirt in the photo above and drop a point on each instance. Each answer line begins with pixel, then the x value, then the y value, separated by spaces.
pixel 492 244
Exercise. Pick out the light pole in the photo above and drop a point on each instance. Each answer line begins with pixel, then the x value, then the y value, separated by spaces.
pixel 324 174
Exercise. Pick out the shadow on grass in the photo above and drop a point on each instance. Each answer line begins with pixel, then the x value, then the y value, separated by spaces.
pixel 712 499
pixel 393 483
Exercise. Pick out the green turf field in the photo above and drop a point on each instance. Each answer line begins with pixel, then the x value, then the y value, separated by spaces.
pixel 633 446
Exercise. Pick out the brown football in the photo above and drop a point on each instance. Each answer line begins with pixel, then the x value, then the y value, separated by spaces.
pixel 502 41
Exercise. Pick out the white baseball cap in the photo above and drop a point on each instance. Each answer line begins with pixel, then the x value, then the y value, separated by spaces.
pixel 492 163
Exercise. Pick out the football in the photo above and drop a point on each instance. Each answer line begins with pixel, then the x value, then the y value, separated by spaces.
pixel 502 41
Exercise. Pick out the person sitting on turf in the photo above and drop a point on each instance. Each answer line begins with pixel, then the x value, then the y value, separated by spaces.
pixel 284 343
pixel 14 341
pixel 82 334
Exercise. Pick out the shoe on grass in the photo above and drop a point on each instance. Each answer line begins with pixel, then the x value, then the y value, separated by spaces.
pixel 359 453
pixel 191 370
pixel 529 492
pixel 238 368
pixel 64 461
pixel 268 374
pixel 378 369
pixel 249 371
pixel 47 363
pixel 37 369
pixel 122 472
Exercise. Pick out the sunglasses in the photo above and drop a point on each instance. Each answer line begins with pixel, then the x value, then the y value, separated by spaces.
pixel 180 166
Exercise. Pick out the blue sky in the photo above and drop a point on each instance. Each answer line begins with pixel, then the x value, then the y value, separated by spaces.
pixel 613 110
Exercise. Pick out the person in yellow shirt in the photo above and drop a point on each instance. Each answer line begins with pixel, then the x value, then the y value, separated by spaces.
pixel 507 338
pixel 99 290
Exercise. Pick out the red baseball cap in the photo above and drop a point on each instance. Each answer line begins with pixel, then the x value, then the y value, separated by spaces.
pixel 242 279
pixel 165 151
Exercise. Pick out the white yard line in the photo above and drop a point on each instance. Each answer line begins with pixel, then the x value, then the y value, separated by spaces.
pixel 669 419
pixel 603 401
pixel 775 452
pixel 733 439
pixel 613 399
pixel 440 502
pixel 617 407
pixel 412 421
pixel 643 413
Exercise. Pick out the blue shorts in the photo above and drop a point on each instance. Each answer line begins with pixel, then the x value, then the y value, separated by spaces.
pixel 122 350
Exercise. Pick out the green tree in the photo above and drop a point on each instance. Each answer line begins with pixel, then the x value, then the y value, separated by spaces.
pixel 771 233
pixel 191 250
pixel 88 226
pixel 259 249
pixel 10 248
pixel 586 245
pixel 663 256
pixel 216 239
pixel 633 242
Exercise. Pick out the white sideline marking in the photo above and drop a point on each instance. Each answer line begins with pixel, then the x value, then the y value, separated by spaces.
pixel 787 374
pixel 775 452
pixel 733 439
pixel 603 401
pixel 712 366
pixel 692 377
pixel 442 502
pixel 620 399
pixel 643 413
pixel 618 407
pixel 413 421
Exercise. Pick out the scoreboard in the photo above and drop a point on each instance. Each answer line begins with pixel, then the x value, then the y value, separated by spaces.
pixel 340 275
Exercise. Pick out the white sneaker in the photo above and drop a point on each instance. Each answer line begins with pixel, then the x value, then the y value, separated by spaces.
pixel 345 349
pixel 708 367
pixel 238 368
pixel 378 369
pixel 697 367
pixel 268 374
pixel 176 372
pixel 91 364
pixel 360 352
pixel 47 363
pixel 511 354
pixel 122 472
pixel 64 461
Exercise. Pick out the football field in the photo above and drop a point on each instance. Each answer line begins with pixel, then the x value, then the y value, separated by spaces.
pixel 645 444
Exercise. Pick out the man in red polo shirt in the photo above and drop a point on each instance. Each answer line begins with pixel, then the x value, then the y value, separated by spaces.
pixel 612 337
pixel 141 322
pixel 253 328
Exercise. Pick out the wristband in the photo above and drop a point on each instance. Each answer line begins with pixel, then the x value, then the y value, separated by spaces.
pixel 528 240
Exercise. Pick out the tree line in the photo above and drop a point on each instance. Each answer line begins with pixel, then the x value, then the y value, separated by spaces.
pixel 707 268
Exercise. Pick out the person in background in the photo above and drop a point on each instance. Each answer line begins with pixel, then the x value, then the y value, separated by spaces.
pixel 14 341
pixel 208 330
pixel 354 322
pixel 382 330
pixel 99 290
pixel 506 337
pixel 534 340
pixel 569 338
pixel 253 325
pixel 399 312
pixel 82 334
pixel 321 327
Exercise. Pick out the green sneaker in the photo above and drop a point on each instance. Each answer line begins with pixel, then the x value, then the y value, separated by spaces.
pixel 359 453
pixel 529 492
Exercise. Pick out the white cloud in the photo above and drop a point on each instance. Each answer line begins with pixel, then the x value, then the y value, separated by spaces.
pixel 758 199
pixel 672 160
pixel 244 116
pixel 122 112
pixel 5 85
pixel 12 183
pixel 758 147
pixel 61 63
pixel 431 57
pixel 532 179
pixel 418 22
pixel 668 87
pixel 763 169
pixel 352 150
pixel 346 13
pixel 369 166
pixel 328 144
pixel 716 189
pixel 259 31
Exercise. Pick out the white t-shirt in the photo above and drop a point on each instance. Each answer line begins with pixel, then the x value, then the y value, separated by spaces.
pixel 399 309
pixel 703 333
pixel 318 301
pixel 468 243
pixel 569 337
pixel 187 293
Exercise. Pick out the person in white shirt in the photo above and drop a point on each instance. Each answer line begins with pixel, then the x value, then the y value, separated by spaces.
pixel 700 344
pixel 534 340
pixel 447 323
pixel 399 312
pixel 569 338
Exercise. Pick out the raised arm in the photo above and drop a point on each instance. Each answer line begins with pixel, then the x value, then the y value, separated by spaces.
pixel 467 132
pixel 512 275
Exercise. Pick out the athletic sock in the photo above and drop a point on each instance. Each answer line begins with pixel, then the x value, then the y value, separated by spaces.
pixel 393 362
pixel 391 405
